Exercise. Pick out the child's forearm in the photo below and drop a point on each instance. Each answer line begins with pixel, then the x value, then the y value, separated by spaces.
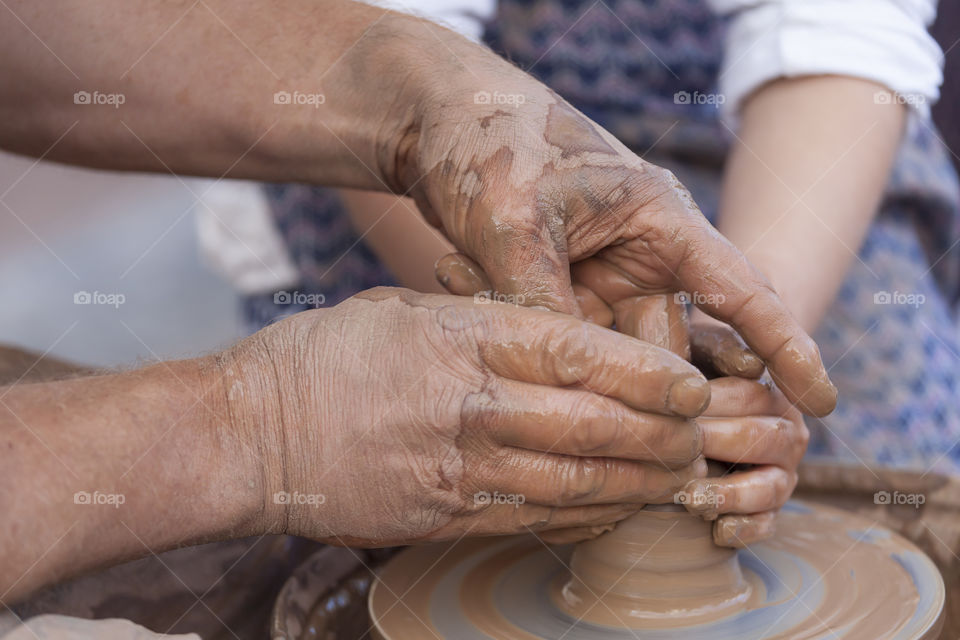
pixel 804 180
pixel 399 236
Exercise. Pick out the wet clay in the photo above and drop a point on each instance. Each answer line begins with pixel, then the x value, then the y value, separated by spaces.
pixel 659 568
pixel 827 574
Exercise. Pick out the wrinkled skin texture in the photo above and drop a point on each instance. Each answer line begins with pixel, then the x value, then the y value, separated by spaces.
pixel 747 421
pixel 553 208
pixel 450 399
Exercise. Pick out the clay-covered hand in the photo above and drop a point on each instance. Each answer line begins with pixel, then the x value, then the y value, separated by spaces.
pixel 748 422
pixel 398 417
pixel 560 214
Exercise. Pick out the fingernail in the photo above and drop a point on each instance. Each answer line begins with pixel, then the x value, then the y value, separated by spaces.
pixel 726 533
pixel 703 499
pixel 750 365
pixel 825 397
pixel 689 397
pixel 741 530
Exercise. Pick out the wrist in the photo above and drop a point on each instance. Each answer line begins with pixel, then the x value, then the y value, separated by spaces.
pixel 263 393
pixel 244 427
pixel 443 99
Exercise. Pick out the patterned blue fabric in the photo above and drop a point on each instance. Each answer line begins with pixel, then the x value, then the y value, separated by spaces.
pixel 330 258
pixel 891 337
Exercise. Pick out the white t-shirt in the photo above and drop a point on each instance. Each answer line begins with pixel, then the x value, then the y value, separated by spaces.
pixel 885 41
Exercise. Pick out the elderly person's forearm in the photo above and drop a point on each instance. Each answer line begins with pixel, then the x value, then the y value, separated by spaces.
pixel 282 89
pixel 108 467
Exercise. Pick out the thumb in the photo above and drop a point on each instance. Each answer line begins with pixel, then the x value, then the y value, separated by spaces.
pixel 526 257
pixel 460 275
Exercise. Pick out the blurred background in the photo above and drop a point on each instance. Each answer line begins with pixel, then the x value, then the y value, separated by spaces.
pixel 65 230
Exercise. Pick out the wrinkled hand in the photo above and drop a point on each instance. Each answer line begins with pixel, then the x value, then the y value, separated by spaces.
pixel 749 423
pixel 423 417
pixel 560 214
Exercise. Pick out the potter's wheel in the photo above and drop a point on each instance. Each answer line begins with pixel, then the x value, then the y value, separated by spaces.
pixel 826 574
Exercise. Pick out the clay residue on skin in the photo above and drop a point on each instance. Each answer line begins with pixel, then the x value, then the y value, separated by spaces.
pixel 572 133
pixel 499 113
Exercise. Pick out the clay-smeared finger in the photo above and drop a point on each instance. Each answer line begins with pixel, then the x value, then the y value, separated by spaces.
pixel 755 439
pixel 735 397
pixel 686 254
pixel 719 348
pixel 566 481
pixel 745 492
pixel 743 298
pixel 739 531
pixel 556 350
pixel 460 275
pixel 580 423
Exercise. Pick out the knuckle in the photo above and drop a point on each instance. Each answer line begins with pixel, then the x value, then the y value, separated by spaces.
pixel 598 429
pixel 568 348
pixel 480 409
pixel 674 441
pixel 783 485
pixel 580 480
